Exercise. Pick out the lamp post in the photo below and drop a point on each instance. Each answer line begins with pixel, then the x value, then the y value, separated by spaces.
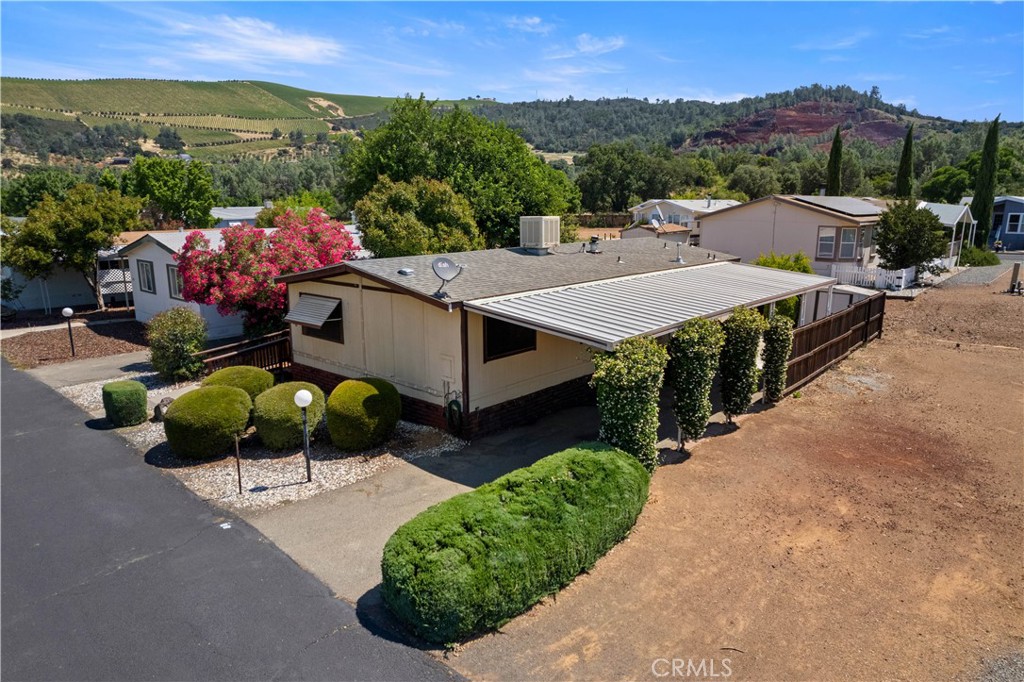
pixel 303 398
pixel 68 312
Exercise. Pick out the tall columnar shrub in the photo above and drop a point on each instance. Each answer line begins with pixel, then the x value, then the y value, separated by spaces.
pixel 778 343
pixel 174 337
pixel 738 362
pixel 694 352
pixel 834 177
pixel 628 381
pixel 985 187
pixel 473 562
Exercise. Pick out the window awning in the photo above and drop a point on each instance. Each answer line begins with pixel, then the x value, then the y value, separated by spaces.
pixel 312 311
pixel 603 314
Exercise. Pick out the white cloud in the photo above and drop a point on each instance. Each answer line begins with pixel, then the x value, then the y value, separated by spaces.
pixel 908 101
pixel 926 33
pixel 591 45
pixel 246 43
pixel 531 24
pixel 438 29
pixel 841 43
pixel 708 95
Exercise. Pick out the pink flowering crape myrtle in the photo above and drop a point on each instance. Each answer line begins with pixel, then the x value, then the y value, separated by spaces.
pixel 238 276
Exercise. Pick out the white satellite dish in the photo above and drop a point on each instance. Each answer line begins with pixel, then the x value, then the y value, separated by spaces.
pixel 446 270
pixel 655 222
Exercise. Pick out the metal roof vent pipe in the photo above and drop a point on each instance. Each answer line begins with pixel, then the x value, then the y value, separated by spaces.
pixel 594 246
pixel 709 201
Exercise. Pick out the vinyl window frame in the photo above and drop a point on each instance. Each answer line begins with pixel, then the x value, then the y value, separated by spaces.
pixel 146 275
pixel 174 283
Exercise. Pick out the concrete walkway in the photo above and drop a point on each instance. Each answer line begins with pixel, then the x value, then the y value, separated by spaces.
pixel 91 369
pixel 113 571
pixel 8 333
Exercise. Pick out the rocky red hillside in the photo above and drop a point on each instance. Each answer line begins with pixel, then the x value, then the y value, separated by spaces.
pixel 808 119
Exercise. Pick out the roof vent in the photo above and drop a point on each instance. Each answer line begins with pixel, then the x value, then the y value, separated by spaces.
pixel 406 271
pixel 594 247
pixel 539 233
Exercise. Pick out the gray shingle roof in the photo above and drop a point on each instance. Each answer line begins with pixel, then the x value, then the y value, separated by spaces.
pixel 499 272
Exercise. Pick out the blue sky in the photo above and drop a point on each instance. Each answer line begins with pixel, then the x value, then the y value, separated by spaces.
pixel 952 59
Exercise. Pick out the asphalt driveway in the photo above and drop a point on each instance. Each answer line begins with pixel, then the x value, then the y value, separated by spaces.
pixel 112 570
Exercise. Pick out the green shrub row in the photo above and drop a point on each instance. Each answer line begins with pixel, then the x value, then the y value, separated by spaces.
pixel 975 257
pixel 628 381
pixel 125 403
pixel 471 563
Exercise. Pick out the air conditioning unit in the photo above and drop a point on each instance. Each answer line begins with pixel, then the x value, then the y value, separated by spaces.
pixel 539 232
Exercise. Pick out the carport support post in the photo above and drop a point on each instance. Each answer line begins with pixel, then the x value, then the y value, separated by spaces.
pixel 828 306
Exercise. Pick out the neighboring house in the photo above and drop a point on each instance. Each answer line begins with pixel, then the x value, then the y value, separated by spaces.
pixel 233 216
pixel 158 285
pixel 830 230
pixel 667 231
pixel 511 337
pixel 685 212
pixel 1008 223
pixel 957 219
pixel 67 288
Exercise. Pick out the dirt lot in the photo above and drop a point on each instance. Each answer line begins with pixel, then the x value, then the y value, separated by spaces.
pixel 870 529
pixel 52 346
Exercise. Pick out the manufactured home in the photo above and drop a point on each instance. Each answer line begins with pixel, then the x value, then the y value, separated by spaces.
pixel 503 336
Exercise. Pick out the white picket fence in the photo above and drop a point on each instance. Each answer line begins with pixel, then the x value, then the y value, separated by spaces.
pixel 873 278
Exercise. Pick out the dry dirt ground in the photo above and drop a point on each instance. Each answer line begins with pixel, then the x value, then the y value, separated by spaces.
pixel 870 529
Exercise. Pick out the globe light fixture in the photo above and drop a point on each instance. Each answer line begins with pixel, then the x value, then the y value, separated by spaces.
pixel 303 399
pixel 68 313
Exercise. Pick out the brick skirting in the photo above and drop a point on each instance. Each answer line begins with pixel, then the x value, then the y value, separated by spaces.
pixel 515 412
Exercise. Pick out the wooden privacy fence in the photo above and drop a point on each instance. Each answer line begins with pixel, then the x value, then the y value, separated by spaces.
pixel 821 344
pixel 272 352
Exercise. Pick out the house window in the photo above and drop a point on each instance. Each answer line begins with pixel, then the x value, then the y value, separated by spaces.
pixel 333 328
pixel 147 282
pixel 174 283
pixel 502 339
pixel 848 242
pixel 826 243
pixel 1014 223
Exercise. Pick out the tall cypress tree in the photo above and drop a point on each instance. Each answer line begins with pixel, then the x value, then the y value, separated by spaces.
pixel 833 181
pixel 905 175
pixel 985 189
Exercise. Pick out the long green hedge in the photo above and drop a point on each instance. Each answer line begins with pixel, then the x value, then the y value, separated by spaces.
pixel 471 563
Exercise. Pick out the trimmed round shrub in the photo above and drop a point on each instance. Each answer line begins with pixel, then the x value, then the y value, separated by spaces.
pixel 125 403
pixel 174 337
pixel 252 380
pixel 475 561
pixel 362 413
pixel 204 422
pixel 279 420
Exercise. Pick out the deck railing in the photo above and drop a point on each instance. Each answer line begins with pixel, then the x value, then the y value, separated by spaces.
pixel 272 352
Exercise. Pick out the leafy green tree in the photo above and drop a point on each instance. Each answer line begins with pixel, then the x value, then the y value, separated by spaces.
pixel 168 138
pixel 946 185
pixel 69 233
pixel 794 262
pixel 985 187
pixel 905 175
pixel 755 181
pixel 833 174
pixel 487 163
pixel 910 237
pixel 413 218
pixel 176 190
pixel 21 194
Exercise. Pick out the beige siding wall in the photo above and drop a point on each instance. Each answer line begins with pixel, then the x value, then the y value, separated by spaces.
pixel 412 344
pixel 767 226
pixel 555 361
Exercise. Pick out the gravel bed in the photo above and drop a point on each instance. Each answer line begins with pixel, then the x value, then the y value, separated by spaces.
pixel 268 478
pixel 980 275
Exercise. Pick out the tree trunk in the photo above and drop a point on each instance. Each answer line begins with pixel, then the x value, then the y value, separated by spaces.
pixel 94 284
